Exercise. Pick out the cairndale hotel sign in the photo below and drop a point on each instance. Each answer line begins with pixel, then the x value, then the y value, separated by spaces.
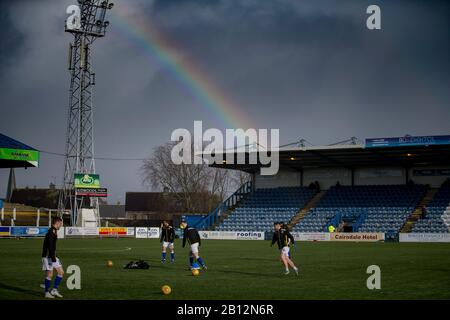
pixel 356 236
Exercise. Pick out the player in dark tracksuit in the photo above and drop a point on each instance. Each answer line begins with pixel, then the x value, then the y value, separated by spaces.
pixel 50 261
pixel 167 239
pixel 284 240
pixel 193 237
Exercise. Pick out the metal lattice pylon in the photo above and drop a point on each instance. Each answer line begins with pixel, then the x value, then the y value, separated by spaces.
pixel 87 23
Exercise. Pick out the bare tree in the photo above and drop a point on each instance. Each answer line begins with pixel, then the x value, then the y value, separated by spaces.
pixel 198 186
pixel 183 180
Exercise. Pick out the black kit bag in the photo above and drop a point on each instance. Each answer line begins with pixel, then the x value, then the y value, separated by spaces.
pixel 140 264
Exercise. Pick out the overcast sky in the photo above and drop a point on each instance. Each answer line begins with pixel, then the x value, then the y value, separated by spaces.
pixel 309 68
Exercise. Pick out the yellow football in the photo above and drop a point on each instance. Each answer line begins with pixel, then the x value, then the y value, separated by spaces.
pixel 166 289
pixel 109 264
pixel 195 272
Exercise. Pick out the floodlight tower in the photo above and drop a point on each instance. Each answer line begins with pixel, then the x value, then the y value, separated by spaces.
pixel 87 23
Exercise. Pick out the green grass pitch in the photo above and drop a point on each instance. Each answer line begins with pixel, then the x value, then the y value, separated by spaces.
pixel 237 270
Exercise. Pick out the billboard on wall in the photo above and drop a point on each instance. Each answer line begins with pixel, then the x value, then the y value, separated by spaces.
pixel 359 236
pixel 112 231
pixel 78 231
pixel 141 233
pixel 147 233
pixel 311 236
pixel 250 235
pixel 153 233
pixel 28 231
pixel 424 237
pixel 232 235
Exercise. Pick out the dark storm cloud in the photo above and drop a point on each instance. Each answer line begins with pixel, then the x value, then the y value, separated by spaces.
pixel 310 68
pixel 12 38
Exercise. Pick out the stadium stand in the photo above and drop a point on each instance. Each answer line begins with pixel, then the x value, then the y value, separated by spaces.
pixel 266 205
pixel 374 208
pixel 437 214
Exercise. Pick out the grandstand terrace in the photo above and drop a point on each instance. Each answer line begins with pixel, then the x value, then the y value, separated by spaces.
pixel 266 205
pixel 372 208
pixel 435 217
pixel 380 186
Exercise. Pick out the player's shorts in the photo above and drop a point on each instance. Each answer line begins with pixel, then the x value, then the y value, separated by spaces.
pixel 166 244
pixel 48 265
pixel 194 247
pixel 285 251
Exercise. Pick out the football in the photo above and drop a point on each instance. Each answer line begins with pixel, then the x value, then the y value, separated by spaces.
pixel 166 290
pixel 195 272
pixel 109 264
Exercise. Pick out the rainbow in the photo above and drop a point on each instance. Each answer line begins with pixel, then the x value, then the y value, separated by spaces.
pixel 187 75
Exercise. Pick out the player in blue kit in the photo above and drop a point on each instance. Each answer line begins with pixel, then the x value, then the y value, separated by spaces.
pixel 167 239
pixel 192 236
pixel 50 261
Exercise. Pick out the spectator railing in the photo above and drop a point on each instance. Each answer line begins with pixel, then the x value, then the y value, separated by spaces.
pixel 230 202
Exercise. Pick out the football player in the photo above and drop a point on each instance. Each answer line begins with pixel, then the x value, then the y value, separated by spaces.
pixel 167 239
pixel 193 237
pixel 284 239
pixel 50 261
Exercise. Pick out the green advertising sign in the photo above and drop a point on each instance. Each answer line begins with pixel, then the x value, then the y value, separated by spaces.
pixel 85 180
pixel 32 156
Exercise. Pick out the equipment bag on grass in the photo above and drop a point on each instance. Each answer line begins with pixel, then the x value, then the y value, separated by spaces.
pixel 141 264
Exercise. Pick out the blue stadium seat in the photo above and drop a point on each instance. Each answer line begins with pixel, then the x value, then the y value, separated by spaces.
pixel 375 208
pixel 437 218
pixel 266 205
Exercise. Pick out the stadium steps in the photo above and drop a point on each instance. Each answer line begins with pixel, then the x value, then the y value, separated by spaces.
pixel 224 215
pixel 417 212
pixel 302 213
